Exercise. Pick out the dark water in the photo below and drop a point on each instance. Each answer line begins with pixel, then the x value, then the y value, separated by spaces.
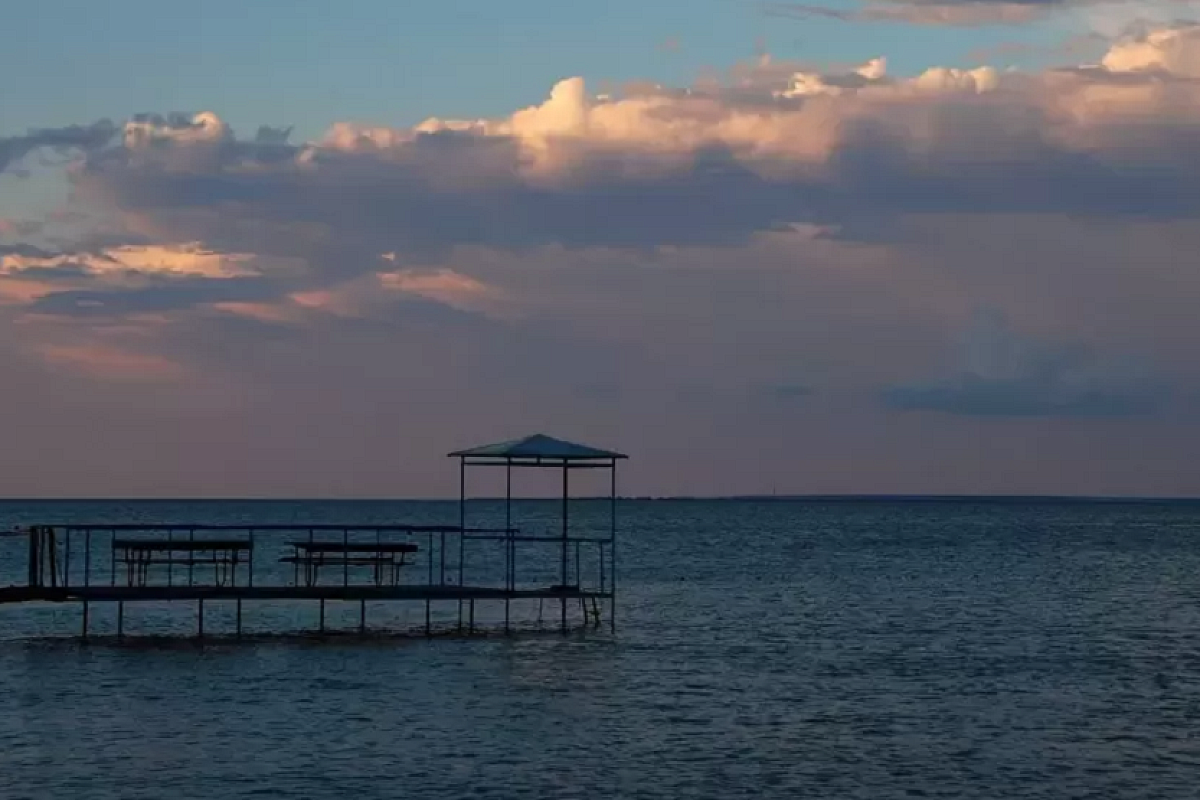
pixel 790 650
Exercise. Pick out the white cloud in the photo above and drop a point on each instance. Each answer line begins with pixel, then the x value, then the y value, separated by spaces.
pixel 203 128
pixel 1173 51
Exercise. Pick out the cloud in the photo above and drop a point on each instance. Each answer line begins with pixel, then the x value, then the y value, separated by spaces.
pixel 1167 52
pixel 175 295
pixel 850 152
pixel 964 13
pixel 1004 374
pixel 19 253
pixel 109 363
pixel 189 259
pixel 150 130
pixel 73 138
pixel 657 266
pixel 956 14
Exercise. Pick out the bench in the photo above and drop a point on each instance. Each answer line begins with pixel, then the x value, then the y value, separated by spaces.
pixel 387 558
pixel 223 555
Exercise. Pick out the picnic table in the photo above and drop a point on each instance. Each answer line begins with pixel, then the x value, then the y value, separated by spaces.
pixel 223 555
pixel 385 558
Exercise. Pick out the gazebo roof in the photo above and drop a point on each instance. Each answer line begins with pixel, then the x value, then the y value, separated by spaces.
pixel 538 446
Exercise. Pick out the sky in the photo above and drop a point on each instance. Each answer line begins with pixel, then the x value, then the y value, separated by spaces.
pixel 890 246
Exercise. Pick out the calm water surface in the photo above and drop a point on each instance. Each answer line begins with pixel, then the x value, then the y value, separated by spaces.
pixel 790 650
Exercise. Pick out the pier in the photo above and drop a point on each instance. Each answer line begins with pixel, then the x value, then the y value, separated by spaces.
pixel 452 569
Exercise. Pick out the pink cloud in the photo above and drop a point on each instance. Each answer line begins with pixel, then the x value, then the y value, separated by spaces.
pixel 111 363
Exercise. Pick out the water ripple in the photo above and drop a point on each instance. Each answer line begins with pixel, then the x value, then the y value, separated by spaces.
pixel 826 651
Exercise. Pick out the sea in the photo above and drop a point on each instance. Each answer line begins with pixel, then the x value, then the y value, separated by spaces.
pixel 764 648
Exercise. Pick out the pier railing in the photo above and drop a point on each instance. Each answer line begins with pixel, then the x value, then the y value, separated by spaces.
pixel 161 562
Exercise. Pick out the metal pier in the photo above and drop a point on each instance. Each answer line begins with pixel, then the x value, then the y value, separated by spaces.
pixel 198 562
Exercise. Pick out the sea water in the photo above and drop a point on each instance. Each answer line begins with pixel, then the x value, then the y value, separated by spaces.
pixel 836 649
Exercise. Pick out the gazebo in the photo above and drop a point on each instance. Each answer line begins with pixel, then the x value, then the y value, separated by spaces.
pixel 546 452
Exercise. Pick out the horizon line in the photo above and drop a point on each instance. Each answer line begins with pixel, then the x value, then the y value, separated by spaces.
pixel 825 497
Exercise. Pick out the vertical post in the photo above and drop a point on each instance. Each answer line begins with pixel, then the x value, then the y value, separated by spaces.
pixel 87 575
pixel 322 623
pixel 600 555
pixel 52 554
pixel 462 526
pixel 509 567
pixel 35 557
pixel 612 549
pixel 239 618
pixel 191 558
pixel 200 619
pixel 120 619
pixel 379 561
pixel 566 494
pixel 67 559
pixel 471 623
pixel 250 557
pixel 462 550
pixel 345 557
pixel 428 602
pixel 362 617
pixel 310 563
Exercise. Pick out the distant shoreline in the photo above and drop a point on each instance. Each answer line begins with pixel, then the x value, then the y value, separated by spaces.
pixel 749 498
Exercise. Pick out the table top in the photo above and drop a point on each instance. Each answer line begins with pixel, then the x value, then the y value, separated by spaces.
pixel 355 547
pixel 197 545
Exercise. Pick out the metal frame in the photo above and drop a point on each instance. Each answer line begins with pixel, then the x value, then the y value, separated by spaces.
pixel 566 464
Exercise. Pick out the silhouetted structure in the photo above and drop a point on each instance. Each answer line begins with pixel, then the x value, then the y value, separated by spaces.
pixel 129 563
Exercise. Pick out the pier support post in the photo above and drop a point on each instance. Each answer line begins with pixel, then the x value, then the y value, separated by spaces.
pixel 322 628
pixel 462 531
pixel 612 549
pixel 200 620
pixel 85 620
pixel 35 558
pixel 239 618
pixel 362 617
pixel 566 493
pixel 509 544
pixel 120 619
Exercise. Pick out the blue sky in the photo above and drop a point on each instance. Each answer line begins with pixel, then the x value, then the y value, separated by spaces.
pixel 308 63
